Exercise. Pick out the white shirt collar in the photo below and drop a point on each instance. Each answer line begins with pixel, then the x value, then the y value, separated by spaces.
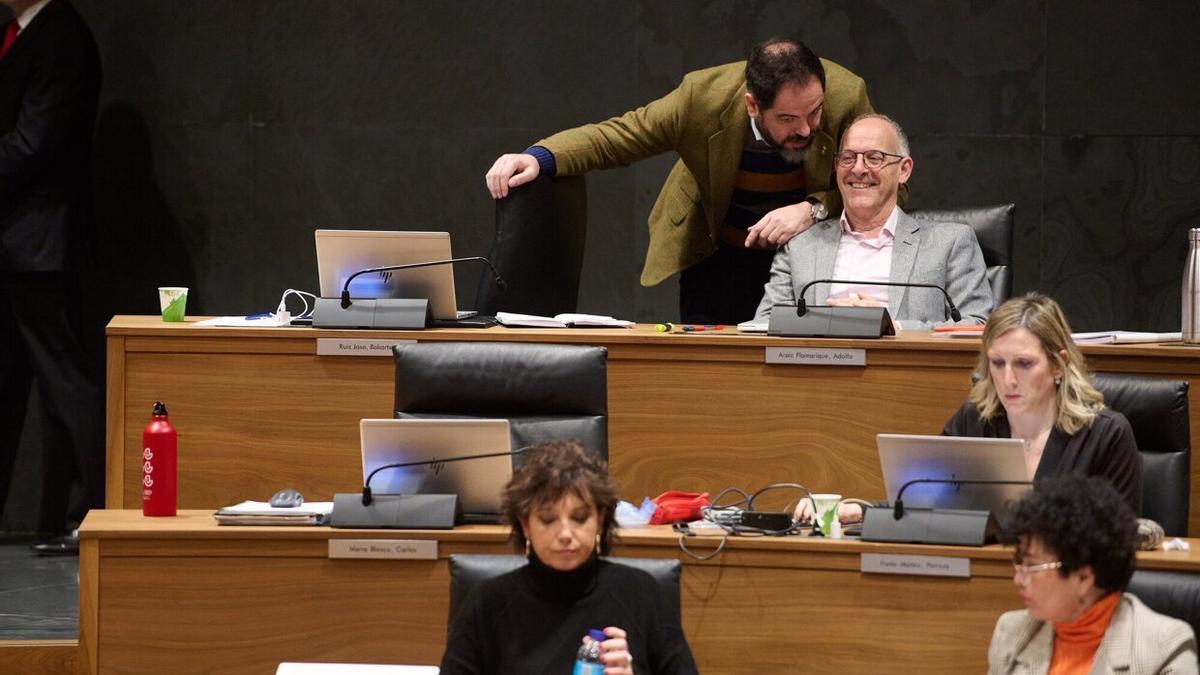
pixel 30 12
pixel 889 225
pixel 757 134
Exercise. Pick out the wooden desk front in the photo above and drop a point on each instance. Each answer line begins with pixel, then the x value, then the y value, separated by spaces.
pixel 185 595
pixel 257 409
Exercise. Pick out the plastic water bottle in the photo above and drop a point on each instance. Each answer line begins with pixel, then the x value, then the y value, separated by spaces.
pixel 158 465
pixel 587 661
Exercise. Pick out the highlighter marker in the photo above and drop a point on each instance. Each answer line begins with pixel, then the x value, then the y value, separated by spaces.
pixel 664 327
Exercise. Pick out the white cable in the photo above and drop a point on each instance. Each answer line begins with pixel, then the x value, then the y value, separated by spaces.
pixel 282 309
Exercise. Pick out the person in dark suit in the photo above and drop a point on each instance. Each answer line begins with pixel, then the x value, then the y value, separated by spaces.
pixel 49 88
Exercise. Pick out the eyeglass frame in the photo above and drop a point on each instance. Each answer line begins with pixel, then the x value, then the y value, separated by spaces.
pixel 1023 572
pixel 837 158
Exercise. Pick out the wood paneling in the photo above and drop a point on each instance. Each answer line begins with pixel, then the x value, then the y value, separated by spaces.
pixel 39 657
pixel 184 595
pixel 256 409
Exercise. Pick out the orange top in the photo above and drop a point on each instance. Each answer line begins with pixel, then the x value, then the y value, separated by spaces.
pixel 1076 642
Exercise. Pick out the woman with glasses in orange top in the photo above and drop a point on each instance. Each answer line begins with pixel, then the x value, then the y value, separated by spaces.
pixel 1075 544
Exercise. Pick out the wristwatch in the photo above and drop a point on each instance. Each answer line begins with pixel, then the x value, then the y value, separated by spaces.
pixel 819 211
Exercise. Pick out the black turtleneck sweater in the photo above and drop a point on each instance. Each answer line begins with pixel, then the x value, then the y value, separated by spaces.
pixel 532 620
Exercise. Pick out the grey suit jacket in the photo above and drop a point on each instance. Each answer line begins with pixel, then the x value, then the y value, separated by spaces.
pixel 1138 641
pixel 926 252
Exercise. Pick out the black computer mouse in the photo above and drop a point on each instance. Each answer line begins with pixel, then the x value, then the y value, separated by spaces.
pixel 286 498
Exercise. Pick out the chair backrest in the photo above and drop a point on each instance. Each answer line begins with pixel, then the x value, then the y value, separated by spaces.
pixel 541 229
pixel 467 571
pixel 546 392
pixel 1174 594
pixel 993 227
pixel 1157 410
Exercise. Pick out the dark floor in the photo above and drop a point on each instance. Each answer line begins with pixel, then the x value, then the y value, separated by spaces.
pixel 39 597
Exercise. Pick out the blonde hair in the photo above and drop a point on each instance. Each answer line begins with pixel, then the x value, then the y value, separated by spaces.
pixel 1076 400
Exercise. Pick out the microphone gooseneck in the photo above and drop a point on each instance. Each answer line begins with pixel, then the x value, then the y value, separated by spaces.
pixel 898 507
pixel 346 301
pixel 951 310
pixel 367 497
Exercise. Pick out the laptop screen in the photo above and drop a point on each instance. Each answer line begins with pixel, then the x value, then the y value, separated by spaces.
pixel 477 482
pixel 905 458
pixel 341 253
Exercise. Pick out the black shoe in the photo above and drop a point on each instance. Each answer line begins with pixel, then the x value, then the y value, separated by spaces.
pixel 67 544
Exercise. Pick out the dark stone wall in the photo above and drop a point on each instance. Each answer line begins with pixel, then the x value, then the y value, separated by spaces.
pixel 231 129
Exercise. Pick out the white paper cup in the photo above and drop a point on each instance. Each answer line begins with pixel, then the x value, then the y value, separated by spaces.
pixel 172 300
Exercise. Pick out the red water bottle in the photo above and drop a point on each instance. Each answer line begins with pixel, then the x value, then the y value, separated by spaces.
pixel 158 465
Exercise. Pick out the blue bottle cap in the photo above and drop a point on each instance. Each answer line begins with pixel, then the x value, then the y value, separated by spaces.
pixel 597 635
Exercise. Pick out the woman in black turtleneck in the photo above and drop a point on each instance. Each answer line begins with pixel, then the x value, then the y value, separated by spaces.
pixel 560 503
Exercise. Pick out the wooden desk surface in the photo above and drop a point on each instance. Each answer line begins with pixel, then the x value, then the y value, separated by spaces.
pixel 122 527
pixel 186 595
pixel 257 409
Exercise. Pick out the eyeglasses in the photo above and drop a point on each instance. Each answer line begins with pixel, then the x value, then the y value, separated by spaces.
pixel 1024 571
pixel 875 159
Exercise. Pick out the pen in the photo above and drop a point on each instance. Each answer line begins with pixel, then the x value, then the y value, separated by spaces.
pixel 688 328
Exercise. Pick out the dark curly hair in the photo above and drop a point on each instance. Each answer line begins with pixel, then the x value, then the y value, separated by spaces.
pixel 1083 521
pixel 548 471
pixel 777 62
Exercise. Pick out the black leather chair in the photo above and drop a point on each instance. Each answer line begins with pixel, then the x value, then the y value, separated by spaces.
pixel 468 571
pixel 993 227
pixel 1157 409
pixel 1174 594
pixel 541 228
pixel 547 392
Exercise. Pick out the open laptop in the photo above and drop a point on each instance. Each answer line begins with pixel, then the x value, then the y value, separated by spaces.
pixel 904 458
pixel 341 253
pixel 477 482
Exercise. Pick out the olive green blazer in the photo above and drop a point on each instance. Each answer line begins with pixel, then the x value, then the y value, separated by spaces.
pixel 704 120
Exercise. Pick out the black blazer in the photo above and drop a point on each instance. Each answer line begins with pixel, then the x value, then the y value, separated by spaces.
pixel 49 88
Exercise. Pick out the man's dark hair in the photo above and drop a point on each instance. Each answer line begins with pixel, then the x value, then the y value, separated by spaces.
pixel 777 62
pixel 1082 521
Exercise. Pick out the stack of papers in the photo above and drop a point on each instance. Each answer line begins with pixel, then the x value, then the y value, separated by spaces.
pixel 1123 337
pixel 752 327
pixel 262 513
pixel 253 321
pixel 561 321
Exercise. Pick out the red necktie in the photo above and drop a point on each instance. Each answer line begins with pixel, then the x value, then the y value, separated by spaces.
pixel 10 36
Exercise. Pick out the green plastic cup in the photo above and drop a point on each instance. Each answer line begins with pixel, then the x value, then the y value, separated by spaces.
pixel 172 300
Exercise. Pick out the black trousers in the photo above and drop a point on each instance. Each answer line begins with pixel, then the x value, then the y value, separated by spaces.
pixel 41 340
pixel 724 288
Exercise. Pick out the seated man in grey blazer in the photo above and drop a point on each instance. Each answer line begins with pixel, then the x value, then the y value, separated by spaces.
pixel 875 241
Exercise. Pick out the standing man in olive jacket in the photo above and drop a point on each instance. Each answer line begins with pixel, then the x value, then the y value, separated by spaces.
pixel 755 141
pixel 49 88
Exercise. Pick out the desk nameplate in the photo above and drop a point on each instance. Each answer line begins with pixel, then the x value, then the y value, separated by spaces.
pixel 816 356
pixel 394 549
pixel 357 346
pixel 919 565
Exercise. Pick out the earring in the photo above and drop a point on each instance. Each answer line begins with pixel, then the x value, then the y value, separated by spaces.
pixel 598 551
pixel 528 548
pixel 1058 380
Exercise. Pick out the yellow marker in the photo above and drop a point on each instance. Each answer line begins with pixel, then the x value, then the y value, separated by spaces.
pixel 664 327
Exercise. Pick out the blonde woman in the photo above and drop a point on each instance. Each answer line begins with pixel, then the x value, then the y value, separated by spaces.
pixel 1032 383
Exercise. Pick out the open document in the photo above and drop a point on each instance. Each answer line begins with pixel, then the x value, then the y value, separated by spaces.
pixel 512 319
pixel 1123 337
pixel 262 513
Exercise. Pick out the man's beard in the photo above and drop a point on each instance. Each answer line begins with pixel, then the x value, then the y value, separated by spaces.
pixel 789 156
